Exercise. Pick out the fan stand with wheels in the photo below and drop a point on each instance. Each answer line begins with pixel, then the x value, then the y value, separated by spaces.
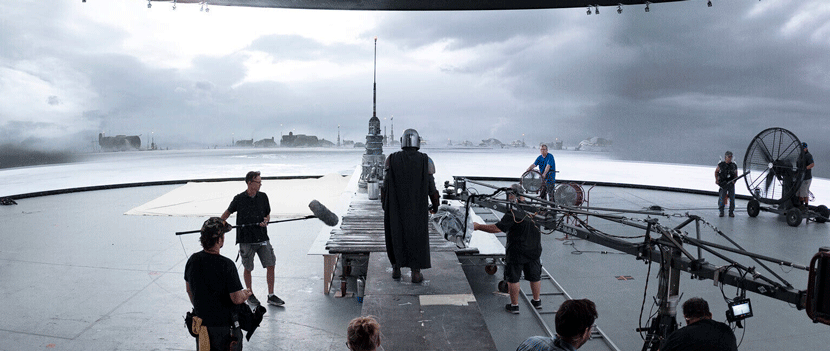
pixel 774 171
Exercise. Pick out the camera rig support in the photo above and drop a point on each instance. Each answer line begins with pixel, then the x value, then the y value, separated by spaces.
pixel 660 244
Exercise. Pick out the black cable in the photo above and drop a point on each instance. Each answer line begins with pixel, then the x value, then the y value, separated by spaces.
pixel 645 293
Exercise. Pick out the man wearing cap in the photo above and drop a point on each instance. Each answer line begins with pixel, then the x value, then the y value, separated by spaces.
pixel 725 175
pixel 214 289
pixel 252 234
pixel 804 190
pixel 522 251
pixel 408 186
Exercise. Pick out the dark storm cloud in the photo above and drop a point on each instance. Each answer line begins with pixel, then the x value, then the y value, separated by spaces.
pixel 682 83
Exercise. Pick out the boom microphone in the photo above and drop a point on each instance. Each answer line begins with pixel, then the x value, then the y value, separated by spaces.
pixel 320 212
pixel 323 213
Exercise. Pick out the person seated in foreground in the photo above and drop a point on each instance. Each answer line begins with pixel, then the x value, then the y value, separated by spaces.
pixel 700 332
pixel 574 323
pixel 363 334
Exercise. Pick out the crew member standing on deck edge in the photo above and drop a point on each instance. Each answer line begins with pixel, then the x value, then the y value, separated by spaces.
pixel 408 183
pixel 547 167
pixel 252 234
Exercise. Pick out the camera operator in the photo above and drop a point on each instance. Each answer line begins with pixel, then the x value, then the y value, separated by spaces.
pixel 523 250
pixel 214 289
pixel 701 333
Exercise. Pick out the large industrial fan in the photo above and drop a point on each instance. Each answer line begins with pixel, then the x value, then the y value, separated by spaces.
pixel 774 170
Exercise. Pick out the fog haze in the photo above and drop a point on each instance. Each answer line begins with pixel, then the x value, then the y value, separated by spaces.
pixel 682 83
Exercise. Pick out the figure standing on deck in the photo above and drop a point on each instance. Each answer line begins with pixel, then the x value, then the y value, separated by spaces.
pixel 725 175
pixel 804 190
pixel 547 166
pixel 522 252
pixel 252 234
pixel 408 185
pixel 214 289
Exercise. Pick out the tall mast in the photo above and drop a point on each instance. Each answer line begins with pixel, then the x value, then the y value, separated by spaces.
pixel 375 83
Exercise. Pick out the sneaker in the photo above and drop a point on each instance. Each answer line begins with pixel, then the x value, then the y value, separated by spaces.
pixel 731 214
pixel 537 304
pixel 721 214
pixel 274 300
pixel 396 272
pixel 512 309
pixel 252 300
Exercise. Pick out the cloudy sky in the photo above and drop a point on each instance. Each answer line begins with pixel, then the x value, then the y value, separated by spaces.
pixel 681 83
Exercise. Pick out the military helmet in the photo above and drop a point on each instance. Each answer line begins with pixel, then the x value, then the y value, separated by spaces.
pixel 410 138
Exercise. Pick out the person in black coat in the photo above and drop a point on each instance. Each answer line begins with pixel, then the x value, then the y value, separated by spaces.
pixel 408 185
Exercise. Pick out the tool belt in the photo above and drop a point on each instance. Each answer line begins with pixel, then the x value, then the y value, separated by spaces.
pixel 197 330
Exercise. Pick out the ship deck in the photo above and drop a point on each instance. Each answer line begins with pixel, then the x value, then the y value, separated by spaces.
pixel 78 274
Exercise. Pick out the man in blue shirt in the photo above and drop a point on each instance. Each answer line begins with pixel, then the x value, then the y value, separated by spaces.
pixel 574 324
pixel 547 166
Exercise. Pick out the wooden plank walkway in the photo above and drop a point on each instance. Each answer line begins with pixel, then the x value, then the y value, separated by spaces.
pixel 361 231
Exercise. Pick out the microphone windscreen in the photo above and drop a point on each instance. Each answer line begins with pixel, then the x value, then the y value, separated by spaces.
pixel 323 213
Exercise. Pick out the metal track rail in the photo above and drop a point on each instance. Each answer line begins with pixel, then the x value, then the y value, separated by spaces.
pixel 554 290
pixel 597 333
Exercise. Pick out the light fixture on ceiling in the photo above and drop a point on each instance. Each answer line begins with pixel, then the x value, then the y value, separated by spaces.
pixel 589 11
pixel 174 4
pixel 596 9
pixel 647 3
pixel 149 5
pixel 709 4
pixel 619 8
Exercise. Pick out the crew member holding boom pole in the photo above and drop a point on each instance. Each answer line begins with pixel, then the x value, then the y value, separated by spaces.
pixel 253 207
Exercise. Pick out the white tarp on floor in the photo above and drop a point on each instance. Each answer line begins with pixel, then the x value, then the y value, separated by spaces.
pixel 289 198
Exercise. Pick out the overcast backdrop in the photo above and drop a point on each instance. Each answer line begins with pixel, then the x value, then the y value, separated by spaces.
pixel 681 83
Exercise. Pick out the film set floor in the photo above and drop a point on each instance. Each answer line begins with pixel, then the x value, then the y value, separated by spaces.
pixel 115 282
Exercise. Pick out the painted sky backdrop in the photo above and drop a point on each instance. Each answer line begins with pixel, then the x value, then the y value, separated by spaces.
pixel 681 83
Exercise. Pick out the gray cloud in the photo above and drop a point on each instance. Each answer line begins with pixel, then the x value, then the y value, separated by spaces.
pixel 682 83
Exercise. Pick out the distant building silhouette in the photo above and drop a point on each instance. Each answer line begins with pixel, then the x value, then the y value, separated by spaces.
pixel 119 142
pixel 299 140
pixel 266 143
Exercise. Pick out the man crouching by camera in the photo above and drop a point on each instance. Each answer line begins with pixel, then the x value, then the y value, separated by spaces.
pixel 214 289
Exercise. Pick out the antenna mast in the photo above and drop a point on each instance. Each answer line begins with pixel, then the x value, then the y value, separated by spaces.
pixel 375 83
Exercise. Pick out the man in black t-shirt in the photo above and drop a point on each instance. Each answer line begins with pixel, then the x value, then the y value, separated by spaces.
pixel 522 252
pixel 725 175
pixel 804 190
pixel 701 332
pixel 254 213
pixel 214 289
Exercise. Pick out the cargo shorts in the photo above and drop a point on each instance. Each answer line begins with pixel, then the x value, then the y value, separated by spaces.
pixel 263 249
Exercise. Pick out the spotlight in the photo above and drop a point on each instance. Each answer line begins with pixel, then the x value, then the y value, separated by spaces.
pixel 709 4
pixel 596 9
pixel 589 11
pixel 149 5
pixel 206 8
pixel 619 8
pixel 647 3
pixel 174 4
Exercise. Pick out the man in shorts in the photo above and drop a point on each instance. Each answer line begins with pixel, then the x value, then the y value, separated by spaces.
pixel 804 190
pixel 252 234
pixel 522 252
